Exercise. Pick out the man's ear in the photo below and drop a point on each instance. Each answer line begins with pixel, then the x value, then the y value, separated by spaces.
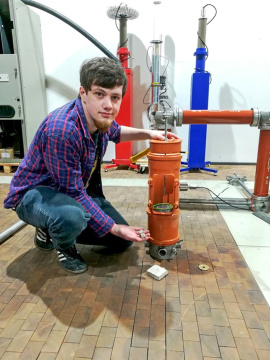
pixel 82 91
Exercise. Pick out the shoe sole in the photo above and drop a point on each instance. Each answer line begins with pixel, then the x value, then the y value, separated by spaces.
pixel 73 271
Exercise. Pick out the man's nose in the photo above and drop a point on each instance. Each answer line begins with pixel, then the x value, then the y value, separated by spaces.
pixel 107 102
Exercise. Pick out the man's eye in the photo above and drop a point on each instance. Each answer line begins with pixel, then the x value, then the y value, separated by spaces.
pixel 115 98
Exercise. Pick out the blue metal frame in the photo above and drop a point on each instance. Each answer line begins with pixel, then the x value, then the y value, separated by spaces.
pixel 198 101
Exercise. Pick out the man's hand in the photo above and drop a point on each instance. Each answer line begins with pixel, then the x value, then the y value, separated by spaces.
pixel 160 135
pixel 131 134
pixel 130 233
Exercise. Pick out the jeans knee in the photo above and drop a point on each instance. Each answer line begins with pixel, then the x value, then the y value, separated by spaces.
pixel 70 224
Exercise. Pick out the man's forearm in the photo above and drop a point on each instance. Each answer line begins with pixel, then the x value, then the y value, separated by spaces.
pixel 131 134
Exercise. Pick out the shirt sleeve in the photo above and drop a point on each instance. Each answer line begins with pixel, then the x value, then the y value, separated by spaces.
pixel 114 132
pixel 62 160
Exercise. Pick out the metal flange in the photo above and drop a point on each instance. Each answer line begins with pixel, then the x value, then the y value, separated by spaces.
pixel 162 252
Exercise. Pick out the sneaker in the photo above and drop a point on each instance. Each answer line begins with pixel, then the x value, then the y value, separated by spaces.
pixel 70 260
pixel 42 240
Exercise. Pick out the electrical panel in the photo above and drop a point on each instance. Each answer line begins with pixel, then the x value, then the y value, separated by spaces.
pixel 22 76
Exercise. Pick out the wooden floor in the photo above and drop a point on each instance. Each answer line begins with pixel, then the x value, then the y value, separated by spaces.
pixel 115 311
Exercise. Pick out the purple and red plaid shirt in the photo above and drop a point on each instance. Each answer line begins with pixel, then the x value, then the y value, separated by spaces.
pixel 61 156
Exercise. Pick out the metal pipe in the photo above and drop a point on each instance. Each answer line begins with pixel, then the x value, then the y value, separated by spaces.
pixel 11 230
pixel 237 180
pixel 218 117
pixel 214 201
pixel 248 192
pixel 262 176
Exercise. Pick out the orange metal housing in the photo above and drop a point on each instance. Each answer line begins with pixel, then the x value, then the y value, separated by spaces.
pixel 164 161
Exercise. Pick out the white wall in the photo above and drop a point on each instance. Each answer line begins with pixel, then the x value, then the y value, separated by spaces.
pixel 238 42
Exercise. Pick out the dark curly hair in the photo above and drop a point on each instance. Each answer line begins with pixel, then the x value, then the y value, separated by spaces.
pixel 104 72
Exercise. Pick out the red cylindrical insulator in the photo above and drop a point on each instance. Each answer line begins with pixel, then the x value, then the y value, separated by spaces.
pixel 163 211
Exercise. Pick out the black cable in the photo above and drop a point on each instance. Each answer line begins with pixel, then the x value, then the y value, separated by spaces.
pixel 147 56
pixel 210 75
pixel 72 24
pixel 225 202
pixel 115 18
pixel 145 96
pixel 164 92
pixel 204 44
pixel 147 113
pixel 125 59
pixel 164 107
pixel 215 12
pixel 122 45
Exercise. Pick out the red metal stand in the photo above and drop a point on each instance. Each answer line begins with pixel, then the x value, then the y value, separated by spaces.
pixel 262 176
pixel 123 151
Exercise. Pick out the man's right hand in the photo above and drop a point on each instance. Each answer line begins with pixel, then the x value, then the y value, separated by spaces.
pixel 130 233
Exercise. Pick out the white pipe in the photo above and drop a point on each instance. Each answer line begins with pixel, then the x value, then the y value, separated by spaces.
pixel 11 230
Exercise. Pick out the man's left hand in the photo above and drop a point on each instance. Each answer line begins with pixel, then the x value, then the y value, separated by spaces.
pixel 160 135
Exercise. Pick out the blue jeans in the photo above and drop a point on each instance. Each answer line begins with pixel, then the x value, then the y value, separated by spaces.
pixel 66 219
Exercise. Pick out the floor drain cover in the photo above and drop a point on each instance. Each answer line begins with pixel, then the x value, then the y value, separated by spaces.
pixel 203 267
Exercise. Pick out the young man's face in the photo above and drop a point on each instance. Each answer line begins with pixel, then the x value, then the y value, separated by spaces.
pixel 101 106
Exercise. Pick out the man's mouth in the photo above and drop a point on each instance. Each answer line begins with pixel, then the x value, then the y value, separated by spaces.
pixel 105 114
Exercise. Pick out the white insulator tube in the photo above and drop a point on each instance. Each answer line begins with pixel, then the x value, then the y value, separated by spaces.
pixel 11 230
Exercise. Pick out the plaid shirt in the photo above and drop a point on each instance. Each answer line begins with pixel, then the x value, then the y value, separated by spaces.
pixel 61 157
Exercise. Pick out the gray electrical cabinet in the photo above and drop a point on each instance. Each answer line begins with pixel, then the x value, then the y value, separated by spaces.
pixel 22 77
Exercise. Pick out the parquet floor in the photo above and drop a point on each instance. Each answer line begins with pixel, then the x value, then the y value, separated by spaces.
pixel 115 311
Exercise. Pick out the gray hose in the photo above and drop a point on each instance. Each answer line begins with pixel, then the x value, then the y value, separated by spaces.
pixel 72 24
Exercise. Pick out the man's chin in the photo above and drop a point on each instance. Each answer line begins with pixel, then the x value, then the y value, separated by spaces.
pixel 103 125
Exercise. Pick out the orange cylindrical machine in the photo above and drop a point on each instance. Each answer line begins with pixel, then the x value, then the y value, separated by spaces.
pixel 164 159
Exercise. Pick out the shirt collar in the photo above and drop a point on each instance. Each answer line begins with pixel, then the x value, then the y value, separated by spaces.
pixel 80 112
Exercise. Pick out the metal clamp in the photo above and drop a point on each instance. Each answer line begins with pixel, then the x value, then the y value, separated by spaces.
pixel 178 117
pixel 172 118
pixel 264 123
pixel 256 117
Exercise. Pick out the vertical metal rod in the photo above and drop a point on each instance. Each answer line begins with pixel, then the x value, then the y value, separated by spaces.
pixel 166 129
pixel 155 72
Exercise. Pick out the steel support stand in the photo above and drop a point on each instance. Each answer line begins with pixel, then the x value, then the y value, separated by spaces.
pixel 199 101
